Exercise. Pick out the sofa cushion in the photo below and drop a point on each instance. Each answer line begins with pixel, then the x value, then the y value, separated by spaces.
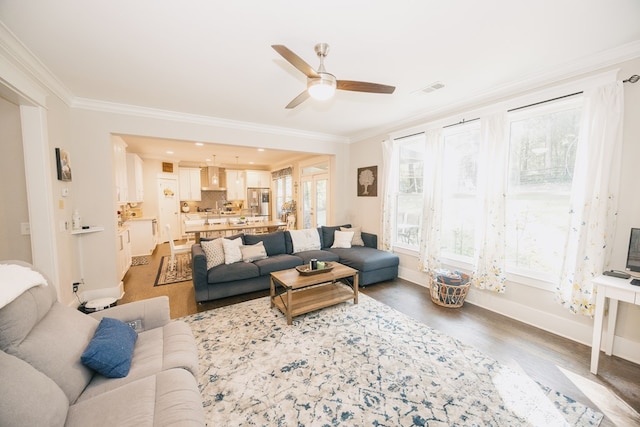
pixel 328 233
pixel 29 398
pixel 232 252
pixel 110 351
pixel 357 235
pixel 157 350
pixel 305 240
pixel 365 259
pixel 274 243
pixel 277 263
pixel 342 239
pixel 320 255
pixel 48 336
pixel 230 272
pixel 214 252
pixel 167 398
pixel 253 252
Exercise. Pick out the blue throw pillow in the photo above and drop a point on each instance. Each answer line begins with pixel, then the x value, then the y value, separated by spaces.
pixel 111 348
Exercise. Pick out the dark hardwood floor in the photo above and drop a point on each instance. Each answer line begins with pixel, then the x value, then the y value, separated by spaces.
pixel 551 360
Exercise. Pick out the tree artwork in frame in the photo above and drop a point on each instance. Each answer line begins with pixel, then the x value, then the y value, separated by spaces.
pixel 63 164
pixel 368 181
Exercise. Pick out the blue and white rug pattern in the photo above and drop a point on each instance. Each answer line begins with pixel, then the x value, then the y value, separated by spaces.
pixel 359 365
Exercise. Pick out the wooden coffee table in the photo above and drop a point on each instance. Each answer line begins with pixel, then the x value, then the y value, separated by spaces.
pixel 295 294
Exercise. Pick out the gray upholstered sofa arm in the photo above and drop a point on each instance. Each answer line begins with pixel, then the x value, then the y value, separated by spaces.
pixel 370 240
pixel 152 312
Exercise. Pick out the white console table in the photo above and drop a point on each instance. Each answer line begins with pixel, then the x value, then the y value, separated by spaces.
pixel 616 290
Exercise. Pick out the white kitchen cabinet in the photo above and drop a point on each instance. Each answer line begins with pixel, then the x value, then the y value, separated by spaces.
pixel 135 186
pixel 144 235
pixel 120 169
pixel 189 184
pixel 236 187
pixel 258 179
pixel 124 251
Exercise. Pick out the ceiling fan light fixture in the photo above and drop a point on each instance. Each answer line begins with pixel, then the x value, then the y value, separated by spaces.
pixel 323 87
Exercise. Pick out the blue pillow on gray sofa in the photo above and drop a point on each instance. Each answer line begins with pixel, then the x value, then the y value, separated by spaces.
pixel 111 349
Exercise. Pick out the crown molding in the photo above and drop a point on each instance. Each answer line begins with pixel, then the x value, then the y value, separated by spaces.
pixel 153 113
pixel 22 57
pixel 569 70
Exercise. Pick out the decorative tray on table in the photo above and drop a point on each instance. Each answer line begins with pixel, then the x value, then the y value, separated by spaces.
pixel 305 270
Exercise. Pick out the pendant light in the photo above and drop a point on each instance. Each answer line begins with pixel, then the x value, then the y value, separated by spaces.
pixel 237 166
pixel 214 178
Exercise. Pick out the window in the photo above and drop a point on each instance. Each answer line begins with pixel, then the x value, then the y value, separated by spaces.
pixel 411 151
pixel 541 143
pixel 542 152
pixel 283 190
pixel 459 182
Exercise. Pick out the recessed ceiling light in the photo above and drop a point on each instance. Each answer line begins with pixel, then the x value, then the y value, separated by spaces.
pixel 208 159
pixel 199 144
pixel 250 163
pixel 260 149
pixel 169 152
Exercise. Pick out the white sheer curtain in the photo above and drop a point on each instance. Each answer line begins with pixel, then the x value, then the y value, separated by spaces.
pixel 593 196
pixel 389 190
pixel 489 257
pixel 429 252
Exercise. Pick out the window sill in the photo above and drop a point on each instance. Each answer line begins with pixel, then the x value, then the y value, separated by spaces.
pixel 466 267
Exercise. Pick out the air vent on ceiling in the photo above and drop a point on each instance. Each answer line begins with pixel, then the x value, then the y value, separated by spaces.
pixel 431 88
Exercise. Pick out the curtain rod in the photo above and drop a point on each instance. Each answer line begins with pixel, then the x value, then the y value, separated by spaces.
pixel 408 136
pixel 543 102
pixel 461 122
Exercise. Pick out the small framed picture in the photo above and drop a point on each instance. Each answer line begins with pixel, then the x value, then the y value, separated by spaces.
pixel 63 163
pixel 368 181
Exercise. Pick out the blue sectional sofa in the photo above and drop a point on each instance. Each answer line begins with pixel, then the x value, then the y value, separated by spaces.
pixel 226 280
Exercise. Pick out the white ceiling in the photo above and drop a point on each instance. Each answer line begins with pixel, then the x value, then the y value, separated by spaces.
pixel 213 58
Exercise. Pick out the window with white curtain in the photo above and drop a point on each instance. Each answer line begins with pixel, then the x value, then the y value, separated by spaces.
pixel 459 181
pixel 408 209
pixel 542 154
pixel 541 143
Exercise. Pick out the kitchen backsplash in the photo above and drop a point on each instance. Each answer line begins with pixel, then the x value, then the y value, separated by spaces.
pixel 209 199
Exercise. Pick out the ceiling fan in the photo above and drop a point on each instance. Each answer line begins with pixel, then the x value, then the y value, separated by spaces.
pixel 322 85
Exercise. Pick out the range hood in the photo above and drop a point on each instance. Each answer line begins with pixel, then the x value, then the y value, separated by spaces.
pixel 213 179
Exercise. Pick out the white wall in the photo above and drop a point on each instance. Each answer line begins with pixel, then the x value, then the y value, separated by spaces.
pixel 526 303
pixel 13 244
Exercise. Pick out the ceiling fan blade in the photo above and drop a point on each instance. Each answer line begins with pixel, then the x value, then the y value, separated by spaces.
pixel 295 60
pixel 364 87
pixel 298 100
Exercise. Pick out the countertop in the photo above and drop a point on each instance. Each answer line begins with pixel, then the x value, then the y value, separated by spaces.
pixel 142 218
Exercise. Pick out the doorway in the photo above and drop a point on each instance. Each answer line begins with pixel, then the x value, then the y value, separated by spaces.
pixel 168 207
pixel 315 195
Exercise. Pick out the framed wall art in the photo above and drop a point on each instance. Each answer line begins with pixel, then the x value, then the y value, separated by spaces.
pixel 63 164
pixel 368 181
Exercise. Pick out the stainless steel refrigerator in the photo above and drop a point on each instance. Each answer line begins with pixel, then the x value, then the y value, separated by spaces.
pixel 259 201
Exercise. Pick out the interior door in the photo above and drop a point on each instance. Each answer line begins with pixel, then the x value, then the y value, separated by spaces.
pixel 315 200
pixel 168 208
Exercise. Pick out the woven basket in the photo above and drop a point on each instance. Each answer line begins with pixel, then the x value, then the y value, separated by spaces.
pixel 446 295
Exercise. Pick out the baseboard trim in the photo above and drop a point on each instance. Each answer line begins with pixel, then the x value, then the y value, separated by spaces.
pixel 557 325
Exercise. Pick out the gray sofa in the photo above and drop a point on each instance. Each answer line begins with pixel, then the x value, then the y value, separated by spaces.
pixel 226 280
pixel 44 381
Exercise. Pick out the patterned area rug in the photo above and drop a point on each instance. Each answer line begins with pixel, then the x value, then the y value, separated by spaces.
pixel 181 273
pixel 359 365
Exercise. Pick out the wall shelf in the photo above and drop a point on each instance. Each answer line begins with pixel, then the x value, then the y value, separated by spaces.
pixel 88 230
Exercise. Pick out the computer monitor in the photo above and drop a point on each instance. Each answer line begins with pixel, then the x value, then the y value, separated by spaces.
pixel 633 255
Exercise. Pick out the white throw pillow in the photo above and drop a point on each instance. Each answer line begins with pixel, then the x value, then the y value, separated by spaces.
pixel 357 235
pixel 305 240
pixel 232 250
pixel 342 239
pixel 214 252
pixel 252 253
